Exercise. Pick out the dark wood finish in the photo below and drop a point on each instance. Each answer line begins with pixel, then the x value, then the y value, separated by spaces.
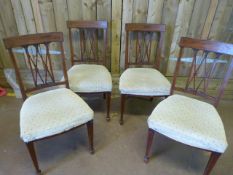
pixel 89 29
pixel 206 47
pixel 40 80
pixel 212 161
pixel 143 48
pixel 88 33
pixel 214 156
pixel 123 98
pixel 31 150
pixel 90 136
pixel 108 103
pixel 144 34
pixel 104 96
pixel 87 24
pixel 148 146
pixel 37 41
pixel 144 27
pixel 32 39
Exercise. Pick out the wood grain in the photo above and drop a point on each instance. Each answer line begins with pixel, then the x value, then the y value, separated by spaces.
pixel 116 33
pixel 28 16
pixel 127 16
pixel 89 9
pixel 104 13
pixel 209 19
pixel 37 16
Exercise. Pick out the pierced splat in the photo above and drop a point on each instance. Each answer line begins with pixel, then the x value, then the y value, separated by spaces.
pixel 143 47
pixel 206 56
pixel 89 45
pixel 206 76
pixel 92 47
pixel 34 56
pixel 37 56
pixel 143 44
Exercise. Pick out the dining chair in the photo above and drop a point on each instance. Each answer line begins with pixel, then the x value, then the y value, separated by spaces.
pixel 88 74
pixel 143 58
pixel 46 113
pixel 186 119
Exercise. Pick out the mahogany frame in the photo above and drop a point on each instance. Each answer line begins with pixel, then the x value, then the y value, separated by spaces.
pixel 36 40
pixel 88 25
pixel 206 46
pixel 85 25
pixel 138 28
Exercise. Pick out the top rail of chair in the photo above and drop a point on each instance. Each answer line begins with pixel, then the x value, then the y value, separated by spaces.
pixel 87 24
pixel 207 45
pixel 145 27
pixel 24 40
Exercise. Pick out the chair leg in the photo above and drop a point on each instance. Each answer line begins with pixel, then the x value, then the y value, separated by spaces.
pixel 108 101
pixel 90 136
pixel 31 150
pixel 122 108
pixel 212 161
pixel 104 96
pixel 148 146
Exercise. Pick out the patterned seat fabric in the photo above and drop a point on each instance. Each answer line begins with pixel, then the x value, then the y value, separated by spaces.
pixel 144 81
pixel 52 112
pixel 189 121
pixel 89 78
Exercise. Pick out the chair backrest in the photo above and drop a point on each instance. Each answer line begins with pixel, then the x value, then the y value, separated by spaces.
pixel 206 54
pixel 142 41
pixel 36 49
pixel 89 33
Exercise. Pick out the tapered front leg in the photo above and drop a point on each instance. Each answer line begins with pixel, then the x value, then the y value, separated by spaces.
pixel 212 161
pixel 31 150
pixel 149 143
pixel 122 108
pixel 90 136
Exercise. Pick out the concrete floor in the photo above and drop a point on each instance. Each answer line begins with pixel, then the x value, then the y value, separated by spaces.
pixel 119 149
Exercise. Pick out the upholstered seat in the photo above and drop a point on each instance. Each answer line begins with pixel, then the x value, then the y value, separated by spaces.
pixel 144 81
pixel 89 78
pixel 189 121
pixel 52 112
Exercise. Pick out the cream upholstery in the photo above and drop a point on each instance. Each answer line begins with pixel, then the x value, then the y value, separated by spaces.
pixel 89 78
pixel 52 112
pixel 189 121
pixel 144 81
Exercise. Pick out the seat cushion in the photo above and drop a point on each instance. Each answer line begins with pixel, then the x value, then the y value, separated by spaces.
pixel 144 81
pixel 89 78
pixel 189 121
pixel 52 112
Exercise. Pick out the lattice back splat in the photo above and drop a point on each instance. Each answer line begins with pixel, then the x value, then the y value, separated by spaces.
pixel 206 55
pixel 38 58
pixel 143 46
pixel 92 41
pixel 33 58
pixel 89 45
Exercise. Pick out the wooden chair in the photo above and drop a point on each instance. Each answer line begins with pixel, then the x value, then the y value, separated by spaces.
pixel 89 75
pixel 48 113
pixel 146 50
pixel 188 120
